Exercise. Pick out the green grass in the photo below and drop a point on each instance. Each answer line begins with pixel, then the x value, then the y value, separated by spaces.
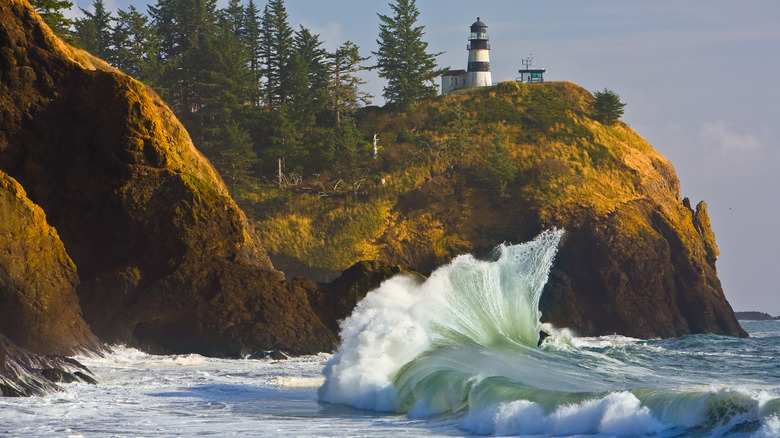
pixel 564 160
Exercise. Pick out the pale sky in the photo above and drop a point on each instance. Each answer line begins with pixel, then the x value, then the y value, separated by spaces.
pixel 701 80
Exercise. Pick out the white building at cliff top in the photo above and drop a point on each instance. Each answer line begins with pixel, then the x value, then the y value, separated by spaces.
pixel 478 70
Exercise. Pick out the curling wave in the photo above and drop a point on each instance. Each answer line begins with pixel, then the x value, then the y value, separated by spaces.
pixel 464 344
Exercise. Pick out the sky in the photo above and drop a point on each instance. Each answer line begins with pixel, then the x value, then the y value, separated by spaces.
pixel 701 80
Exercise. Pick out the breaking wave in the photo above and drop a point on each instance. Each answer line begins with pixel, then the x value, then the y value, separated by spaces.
pixel 464 344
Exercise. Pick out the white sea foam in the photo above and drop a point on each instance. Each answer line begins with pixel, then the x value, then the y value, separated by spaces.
pixel 480 303
pixel 414 351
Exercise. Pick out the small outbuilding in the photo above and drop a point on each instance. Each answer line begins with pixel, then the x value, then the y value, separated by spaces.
pixel 452 80
pixel 531 75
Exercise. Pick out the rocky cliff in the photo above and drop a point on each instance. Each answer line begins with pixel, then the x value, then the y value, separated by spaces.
pixel 39 309
pixel 463 173
pixel 166 261
pixel 164 257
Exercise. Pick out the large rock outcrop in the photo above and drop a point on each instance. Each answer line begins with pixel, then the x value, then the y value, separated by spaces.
pixel 164 256
pixel 39 308
pixel 463 173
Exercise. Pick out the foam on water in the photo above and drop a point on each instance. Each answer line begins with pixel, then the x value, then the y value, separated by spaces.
pixel 456 355
pixel 473 303
pixel 463 345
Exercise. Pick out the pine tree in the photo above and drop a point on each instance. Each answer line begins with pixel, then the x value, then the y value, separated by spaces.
pixel 252 40
pixel 93 33
pixel 236 158
pixel 186 29
pixel 462 141
pixel 305 78
pixel 351 156
pixel 286 140
pixel 52 13
pixel 276 44
pixel 234 15
pixel 344 85
pixel 402 58
pixel 135 45
pixel 498 169
pixel 608 107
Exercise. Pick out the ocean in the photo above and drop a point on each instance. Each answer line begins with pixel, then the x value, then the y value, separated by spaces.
pixel 454 356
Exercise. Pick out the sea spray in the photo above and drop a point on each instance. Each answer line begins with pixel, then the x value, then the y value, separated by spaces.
pixel 461 348
pixel 406 338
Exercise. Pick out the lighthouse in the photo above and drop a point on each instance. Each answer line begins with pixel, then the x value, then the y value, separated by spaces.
pixel 479 58
pixel 478 73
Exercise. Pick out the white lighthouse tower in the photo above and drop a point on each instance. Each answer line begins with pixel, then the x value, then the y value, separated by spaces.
pixel 478 72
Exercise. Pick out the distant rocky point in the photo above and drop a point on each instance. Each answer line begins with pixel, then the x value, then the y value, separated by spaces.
pixel 756 316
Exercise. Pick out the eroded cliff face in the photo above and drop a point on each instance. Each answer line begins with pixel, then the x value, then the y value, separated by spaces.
pixel 637 259
pixel 166 261
pixel 164 256
pixel 39 308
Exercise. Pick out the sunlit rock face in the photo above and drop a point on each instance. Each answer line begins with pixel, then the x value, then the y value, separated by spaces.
pixel 39 309
pixel 164 256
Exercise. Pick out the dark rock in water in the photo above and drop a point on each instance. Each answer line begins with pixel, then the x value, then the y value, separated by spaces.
pixel 39 308
pixel 165 257
pixel 23 373
pixel 232 310
pixel 335 301
pixel 755 316
pixel 646 270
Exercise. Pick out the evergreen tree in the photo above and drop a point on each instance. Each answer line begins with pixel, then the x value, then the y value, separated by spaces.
pixel 305 78
pixel 223 87
pixel 235 158
pixel 185 29
pixel 228 82
pixel 402 58
pixel 93 33
pixel 462 141
pixel 252 40
pixel 608 107
pixel 135 45
pixel 234 15
pixel 344 85
pixel 178 24
pixel 498 167
pixel 286 141
pixel 352 156
pixel 276 43
pixel 52 13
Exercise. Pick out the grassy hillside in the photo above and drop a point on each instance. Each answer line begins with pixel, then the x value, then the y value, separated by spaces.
pixel 461 173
